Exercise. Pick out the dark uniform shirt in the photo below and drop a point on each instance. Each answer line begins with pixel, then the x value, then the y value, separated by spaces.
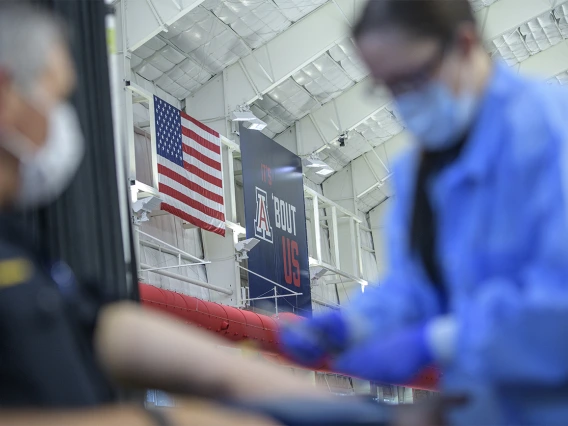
pixel 46 330
pixel 423 237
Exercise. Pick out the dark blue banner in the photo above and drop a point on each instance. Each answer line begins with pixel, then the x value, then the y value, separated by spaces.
pixel 275 214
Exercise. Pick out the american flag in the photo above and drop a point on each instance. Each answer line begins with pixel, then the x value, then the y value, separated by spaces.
pixel 189 168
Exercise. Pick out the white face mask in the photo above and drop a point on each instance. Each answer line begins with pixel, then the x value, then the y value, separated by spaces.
pixel 46 173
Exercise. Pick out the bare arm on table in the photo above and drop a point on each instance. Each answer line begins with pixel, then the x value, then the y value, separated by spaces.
pixel 150 349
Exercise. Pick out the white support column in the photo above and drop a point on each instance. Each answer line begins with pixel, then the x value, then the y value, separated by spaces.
pixel 354 247
pixel 317 228
pixel 153 147
pixel 113 24
pixel 359 258
pixel 231 170
pixel 133 88
pixel 129 130
pixel 334 238
pixel 125 106
pixel 219 250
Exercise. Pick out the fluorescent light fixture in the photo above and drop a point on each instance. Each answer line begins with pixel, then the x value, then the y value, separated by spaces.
pixel 257 124
pixel 243 116
pixel 317 272
pixel 323 169
pixel 248 117
pixel 314 164
pixel 148 204
pixel 246 245
pixel 325 172
pixel 243 247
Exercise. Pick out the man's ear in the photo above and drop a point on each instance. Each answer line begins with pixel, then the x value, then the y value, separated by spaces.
pixel 8 102
pixel 467 37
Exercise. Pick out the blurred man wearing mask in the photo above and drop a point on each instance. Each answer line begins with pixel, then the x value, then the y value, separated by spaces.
pixel 52 354
pixel 478 233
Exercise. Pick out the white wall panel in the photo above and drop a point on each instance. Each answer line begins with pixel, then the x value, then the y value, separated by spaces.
pixel 396 146
pixel 142 23
pixel 143 158
pixel 170 229
pixel 222 271
pixel 288 140
pixel 363 176
pixel 307 136
pixel 208 105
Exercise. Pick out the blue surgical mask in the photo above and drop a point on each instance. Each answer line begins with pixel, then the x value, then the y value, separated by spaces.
pixel 436 116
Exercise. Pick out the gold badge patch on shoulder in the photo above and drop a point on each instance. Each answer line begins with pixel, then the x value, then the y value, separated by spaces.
pixel 14 271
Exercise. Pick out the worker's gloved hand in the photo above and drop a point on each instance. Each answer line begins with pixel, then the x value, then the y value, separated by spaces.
pixel 396 359
pixel 310 341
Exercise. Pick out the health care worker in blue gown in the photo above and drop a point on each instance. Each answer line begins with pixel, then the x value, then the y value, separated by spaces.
pixel 477 236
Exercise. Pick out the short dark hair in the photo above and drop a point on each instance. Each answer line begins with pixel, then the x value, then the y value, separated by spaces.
pixel 438 19
pixel 26 34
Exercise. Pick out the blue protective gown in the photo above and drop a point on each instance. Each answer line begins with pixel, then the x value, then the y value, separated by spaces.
pixel 502 225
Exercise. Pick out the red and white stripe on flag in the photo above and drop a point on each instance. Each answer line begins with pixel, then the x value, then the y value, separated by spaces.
pixel 190 172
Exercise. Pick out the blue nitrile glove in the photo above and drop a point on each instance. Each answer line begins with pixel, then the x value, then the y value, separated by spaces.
pixel 396 359
pixel 310 341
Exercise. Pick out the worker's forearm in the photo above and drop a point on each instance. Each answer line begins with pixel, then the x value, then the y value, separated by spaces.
pixel 154 350
pixel 111 416
pixel 186 412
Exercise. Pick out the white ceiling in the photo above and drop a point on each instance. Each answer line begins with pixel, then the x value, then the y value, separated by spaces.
pixel 218 33
pixel 317 83
pixel 532 37
pixel 561 79
pixel 211 37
